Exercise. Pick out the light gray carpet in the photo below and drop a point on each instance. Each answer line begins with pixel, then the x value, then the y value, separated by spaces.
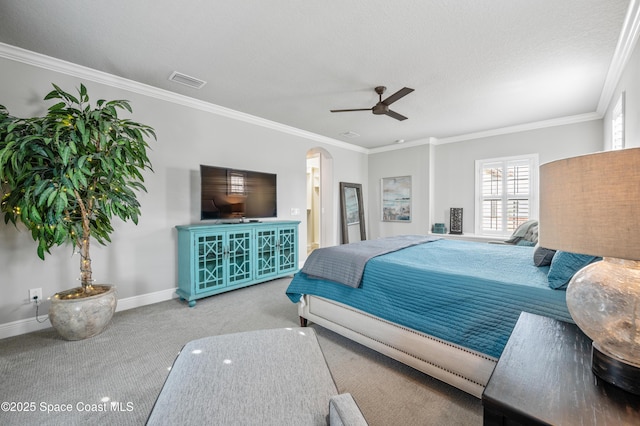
pixel 129 362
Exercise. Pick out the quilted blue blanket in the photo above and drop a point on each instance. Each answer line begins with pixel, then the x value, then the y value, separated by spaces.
pixel 464 292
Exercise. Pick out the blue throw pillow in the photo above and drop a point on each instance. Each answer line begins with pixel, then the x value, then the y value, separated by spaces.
pixel 564 265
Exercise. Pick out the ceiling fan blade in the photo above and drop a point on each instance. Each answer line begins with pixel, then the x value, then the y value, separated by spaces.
pixel 395 115
pixel 347 110
pixel 399 94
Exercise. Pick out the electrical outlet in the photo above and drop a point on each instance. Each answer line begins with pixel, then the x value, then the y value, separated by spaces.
pixel 35 293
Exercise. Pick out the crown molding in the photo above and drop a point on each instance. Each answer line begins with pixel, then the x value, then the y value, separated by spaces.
pixel 521 128
pixel 58 65
pixel 562 121
pixel 624 49
pixel 405 145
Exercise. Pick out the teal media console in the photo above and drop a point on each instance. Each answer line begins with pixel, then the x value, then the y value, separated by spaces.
pixel 216 258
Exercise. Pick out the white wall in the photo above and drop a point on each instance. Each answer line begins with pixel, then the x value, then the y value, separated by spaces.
pixel 414 162
pixel 142 259
pixel 454 163
pixel 443 175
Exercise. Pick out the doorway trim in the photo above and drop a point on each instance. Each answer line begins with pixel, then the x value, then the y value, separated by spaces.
pixel 326 211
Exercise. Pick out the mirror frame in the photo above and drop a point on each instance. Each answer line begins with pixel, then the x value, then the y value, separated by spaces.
pixel 343 207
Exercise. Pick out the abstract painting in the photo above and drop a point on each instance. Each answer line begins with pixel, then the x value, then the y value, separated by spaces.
pixel 396 199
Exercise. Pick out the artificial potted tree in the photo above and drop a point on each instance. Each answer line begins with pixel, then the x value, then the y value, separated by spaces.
pixel 64 176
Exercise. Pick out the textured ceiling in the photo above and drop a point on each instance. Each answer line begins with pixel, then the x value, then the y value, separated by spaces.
pixel 475 65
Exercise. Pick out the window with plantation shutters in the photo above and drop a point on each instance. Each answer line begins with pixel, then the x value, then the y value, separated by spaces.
pixel 617 124
pixel 505 193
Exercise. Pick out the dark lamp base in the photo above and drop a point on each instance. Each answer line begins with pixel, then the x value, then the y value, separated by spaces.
pixel 616 372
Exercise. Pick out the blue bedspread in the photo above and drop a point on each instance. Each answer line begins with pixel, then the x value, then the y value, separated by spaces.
pixel 467 293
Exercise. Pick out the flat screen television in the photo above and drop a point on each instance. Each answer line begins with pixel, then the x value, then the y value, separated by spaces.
pixel 235 194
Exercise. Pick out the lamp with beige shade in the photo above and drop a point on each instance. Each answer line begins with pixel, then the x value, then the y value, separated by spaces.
pixel 590 205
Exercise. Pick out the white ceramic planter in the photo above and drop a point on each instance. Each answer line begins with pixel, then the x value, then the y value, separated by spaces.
pixel 81 318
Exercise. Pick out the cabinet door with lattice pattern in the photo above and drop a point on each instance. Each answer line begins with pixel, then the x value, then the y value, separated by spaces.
pixel 287 249
pixel 239 256
pixel 266 252
pixel 210 270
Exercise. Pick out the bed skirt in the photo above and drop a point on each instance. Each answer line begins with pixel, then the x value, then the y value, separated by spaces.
pixel 466 369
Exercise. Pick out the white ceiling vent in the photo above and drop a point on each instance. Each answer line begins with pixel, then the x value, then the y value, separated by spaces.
pixel 178 77
pixel 350 134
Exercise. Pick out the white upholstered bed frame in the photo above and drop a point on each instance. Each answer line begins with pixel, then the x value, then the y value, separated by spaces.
pixel 463 368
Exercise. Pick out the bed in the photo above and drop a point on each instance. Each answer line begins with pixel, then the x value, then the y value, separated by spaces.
pixel 444 307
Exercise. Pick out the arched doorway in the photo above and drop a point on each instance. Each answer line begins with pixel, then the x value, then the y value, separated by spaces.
pixel 319 199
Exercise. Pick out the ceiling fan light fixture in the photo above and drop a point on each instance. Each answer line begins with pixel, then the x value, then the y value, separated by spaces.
pixel 380 108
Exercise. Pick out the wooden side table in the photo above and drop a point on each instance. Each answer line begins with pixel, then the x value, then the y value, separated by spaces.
pixel 544 378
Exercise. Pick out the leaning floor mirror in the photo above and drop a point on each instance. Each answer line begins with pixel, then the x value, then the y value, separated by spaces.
pixel 353 228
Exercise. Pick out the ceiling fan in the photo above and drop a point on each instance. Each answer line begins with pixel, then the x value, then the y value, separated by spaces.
pixel 382 107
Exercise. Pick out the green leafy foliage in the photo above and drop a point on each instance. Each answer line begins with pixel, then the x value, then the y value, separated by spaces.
pixel 67 174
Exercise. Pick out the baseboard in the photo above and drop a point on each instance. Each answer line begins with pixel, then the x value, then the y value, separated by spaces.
pixel 16 328
pixel 146 299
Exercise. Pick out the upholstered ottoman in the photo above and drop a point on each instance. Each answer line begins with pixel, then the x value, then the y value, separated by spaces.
pixel 263 377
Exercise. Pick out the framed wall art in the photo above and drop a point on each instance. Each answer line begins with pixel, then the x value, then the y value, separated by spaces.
pixel 396 199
